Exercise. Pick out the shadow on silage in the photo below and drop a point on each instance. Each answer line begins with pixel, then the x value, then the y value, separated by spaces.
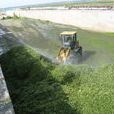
pixel 32 88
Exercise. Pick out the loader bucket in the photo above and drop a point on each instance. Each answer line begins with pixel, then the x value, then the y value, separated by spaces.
pixel 63 55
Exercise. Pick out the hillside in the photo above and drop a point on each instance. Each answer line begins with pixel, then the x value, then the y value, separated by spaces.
pixel 98 48
pixel 78 3
pixel 91 3
pixel 39 87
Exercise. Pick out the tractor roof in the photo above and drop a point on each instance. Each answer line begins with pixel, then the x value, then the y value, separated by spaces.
pixel 68 32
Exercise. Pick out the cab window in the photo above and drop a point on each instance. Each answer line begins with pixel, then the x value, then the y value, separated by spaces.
pixel 67 38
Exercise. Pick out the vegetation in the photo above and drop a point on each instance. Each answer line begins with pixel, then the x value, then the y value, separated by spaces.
pixel 39 87
pixel 92 3
pixel 98 48
pixel 11 17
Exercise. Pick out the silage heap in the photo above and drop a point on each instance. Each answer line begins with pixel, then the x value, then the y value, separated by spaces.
pixel 98 48
pixel 38 86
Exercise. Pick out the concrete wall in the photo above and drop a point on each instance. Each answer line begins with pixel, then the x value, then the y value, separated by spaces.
pixel 97 20
pixel 6 107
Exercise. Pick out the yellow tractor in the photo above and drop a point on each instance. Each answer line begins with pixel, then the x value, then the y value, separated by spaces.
pixel 70 46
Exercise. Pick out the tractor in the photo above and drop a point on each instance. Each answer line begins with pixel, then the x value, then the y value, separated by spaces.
pixel 70 46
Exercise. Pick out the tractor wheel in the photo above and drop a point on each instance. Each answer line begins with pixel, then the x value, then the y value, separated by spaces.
pixel 80 51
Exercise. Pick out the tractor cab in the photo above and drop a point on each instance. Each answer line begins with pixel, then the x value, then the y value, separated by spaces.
pixel 70 46
pixel 69 39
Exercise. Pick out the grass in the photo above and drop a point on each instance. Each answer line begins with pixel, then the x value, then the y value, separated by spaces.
pixel 38 86
pixel 98 48
pixel 111 34
pixel 11 17
pixel 92 3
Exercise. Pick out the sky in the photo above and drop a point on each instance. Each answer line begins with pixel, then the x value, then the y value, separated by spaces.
pixel 12 3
